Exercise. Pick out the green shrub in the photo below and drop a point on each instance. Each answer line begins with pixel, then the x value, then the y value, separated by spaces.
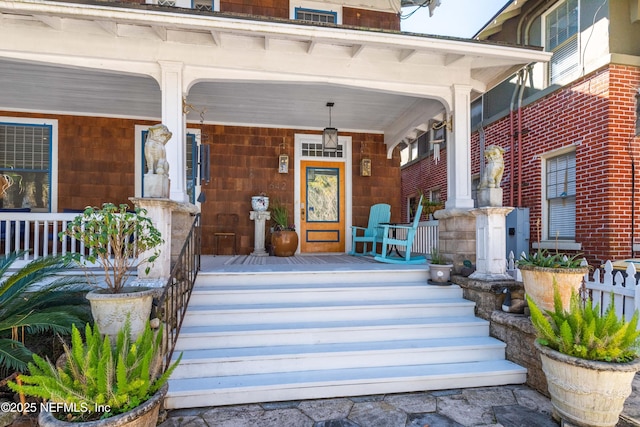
pixel 97 379
pixel 544 258
pixel 585 333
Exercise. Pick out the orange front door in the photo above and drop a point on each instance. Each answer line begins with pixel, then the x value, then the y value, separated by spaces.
pixel 322 207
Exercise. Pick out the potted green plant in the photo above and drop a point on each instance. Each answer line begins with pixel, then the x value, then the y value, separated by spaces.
pixel 541 268
pixel 589 359
pixel 96 383
pixel 284 238
pixel 116 240
pixel 439 268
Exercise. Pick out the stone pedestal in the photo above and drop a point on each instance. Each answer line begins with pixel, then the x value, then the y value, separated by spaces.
pixel 489 197
pixel 160 211
pixel 156 186
pixel 491 261
pixel 259 217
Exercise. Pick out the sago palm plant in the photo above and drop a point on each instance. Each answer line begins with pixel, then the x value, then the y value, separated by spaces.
pixel 33 300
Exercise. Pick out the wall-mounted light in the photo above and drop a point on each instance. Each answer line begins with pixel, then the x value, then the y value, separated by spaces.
pixel 365 161
pixel 365 167
pixel 283 160
pixel 330 134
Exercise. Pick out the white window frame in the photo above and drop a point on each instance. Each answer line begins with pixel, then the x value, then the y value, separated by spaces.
pixel 576 72
pixel 317 6
pixel 188 4
pixel 549 242
pixel 54 151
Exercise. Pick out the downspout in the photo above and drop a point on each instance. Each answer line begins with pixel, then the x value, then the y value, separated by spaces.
pixel 512 136
pixel 523 75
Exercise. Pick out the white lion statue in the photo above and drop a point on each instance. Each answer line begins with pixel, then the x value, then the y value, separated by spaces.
pixel 494 168
pixel 154 152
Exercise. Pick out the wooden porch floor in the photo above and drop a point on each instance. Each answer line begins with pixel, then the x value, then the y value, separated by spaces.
pixel 311 262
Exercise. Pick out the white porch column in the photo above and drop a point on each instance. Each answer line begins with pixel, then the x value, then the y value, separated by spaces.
pixel 459 151
pixel 174 118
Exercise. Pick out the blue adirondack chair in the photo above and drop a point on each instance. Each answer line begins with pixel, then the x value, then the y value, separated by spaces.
pixel 378 214
pixel 389 238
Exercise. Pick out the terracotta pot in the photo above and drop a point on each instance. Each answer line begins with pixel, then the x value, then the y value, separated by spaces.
pixel 585 392
pixel 144 415
pixel 284 242
pixel 110 311
pixel 538 284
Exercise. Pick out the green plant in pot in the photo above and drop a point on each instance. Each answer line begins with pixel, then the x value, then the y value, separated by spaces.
pixel 116 240
pixel 284 238
pixel 439 268
pixel 541 268
pixel 97 379
pixel 589 359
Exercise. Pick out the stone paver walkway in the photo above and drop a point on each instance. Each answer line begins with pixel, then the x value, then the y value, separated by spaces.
pixel 508 406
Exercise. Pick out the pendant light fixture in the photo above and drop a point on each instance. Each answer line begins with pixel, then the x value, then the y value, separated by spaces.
pixel 330 134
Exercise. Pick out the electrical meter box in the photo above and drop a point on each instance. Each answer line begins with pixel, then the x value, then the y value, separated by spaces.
pixel 518 232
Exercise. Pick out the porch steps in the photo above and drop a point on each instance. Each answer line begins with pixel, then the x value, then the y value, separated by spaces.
pixel 261 337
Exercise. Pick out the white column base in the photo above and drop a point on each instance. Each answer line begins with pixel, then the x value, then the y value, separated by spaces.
pixel 491 247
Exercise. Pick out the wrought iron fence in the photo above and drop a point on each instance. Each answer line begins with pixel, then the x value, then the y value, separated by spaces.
pixel 172 304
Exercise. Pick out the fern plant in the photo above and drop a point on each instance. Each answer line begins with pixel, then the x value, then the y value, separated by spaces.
pixel 36 299
pixel 585 333
pixel 98 380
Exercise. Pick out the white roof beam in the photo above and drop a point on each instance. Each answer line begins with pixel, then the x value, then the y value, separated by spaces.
pixel 356 50
pixel 217 40
pixel 51 21
pixel 108 26
pixel 406 54
pixel 161 32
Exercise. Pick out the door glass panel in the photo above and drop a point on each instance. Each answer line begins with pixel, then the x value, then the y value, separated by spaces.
pixel 323 194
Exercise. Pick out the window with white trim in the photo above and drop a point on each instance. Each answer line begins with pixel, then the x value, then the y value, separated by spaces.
pixel 26 165
pixel 312 15
pixel 562 38
pixel 206 5
pixel 560 196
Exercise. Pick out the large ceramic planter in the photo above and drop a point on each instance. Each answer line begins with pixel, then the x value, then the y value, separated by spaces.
pixel 145 415
pixel 584 392
pixel 285 243
pixel 538 284
pixel 110 311
pixel 440 273
pixel 259 203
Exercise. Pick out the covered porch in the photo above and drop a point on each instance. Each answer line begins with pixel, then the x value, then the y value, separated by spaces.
pixel 97 76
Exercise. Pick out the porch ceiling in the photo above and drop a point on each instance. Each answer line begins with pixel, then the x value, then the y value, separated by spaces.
pixel 103 60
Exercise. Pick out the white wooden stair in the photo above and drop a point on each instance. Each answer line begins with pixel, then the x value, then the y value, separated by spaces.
pixel 261 337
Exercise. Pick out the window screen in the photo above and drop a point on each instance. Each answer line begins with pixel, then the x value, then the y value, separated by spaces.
pixel 562 40
pixel 25 162
pixel 561 196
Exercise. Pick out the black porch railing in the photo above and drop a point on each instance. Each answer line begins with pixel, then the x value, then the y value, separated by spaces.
pixel 172 305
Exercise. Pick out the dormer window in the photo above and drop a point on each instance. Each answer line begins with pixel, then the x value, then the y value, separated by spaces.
pixel 206 5
pixel 311 15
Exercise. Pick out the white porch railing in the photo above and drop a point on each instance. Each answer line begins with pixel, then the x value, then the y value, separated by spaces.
pixel 605 284
pixel 426 237
pixel 36 234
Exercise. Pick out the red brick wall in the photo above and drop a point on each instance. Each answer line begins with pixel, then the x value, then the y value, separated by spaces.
pixel 370 19
pixel 424 175
pixel 596 114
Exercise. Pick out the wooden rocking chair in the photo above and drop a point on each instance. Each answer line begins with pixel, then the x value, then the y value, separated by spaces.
pixel 378 214
pixel 390 239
